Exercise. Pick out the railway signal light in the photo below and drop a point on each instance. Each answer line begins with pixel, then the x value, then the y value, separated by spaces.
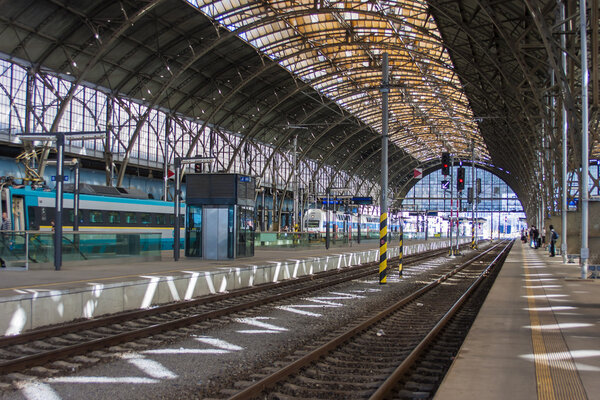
pixel 446 164
pixel 460 180
pixel 470 195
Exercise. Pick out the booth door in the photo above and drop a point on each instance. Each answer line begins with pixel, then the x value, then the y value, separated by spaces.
pixel 216 233
pixel 193 233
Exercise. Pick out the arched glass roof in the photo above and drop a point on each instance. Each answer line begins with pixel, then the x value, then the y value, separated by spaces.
pixel 336 47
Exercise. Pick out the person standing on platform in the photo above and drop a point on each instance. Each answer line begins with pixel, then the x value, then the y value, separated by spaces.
pixel 553 239
pixel 544 236
pixel 533 236
pixel 6 226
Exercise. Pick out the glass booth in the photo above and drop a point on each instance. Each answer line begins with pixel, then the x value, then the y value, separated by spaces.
pixel 220 215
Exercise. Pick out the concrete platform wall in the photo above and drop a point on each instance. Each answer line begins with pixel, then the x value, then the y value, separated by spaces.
pixel 37 308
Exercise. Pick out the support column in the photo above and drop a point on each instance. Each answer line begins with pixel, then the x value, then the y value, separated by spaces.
pixel 166 160
pixel 295 187
pixel 108 155
pixel 400 246
pixel 176 233
pixel 58 225
pixel 565 130
pixel 583 188
pixel 385 89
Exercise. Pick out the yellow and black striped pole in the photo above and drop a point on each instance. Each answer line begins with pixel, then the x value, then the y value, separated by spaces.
pixel 400 251
pixel 383 248
pixel 385 89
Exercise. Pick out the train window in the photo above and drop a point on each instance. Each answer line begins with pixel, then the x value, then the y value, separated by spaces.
pixel 70 217
pixel 161 219
pixel 96 217
pixel 114 217
pixel 130 218
pixel 146 218
pixel 171 220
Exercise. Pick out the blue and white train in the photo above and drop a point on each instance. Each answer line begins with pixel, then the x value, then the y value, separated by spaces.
pixel 101 209
pixel 315 222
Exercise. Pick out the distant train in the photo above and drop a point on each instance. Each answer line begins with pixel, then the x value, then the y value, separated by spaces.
pixel 101 209
pixel 315 222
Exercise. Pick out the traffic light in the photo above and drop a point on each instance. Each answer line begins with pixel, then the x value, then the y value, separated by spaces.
pixel 470 195
pixel 446 164
pixel 460 179
pixel 478 186
pixel 198 168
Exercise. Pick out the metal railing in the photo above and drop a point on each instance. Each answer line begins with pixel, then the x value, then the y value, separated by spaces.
pixel 22 249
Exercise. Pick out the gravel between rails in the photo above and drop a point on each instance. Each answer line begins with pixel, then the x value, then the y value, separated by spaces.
pixel 199 376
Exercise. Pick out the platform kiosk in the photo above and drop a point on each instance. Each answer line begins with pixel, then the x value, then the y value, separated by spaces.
pixel 220 216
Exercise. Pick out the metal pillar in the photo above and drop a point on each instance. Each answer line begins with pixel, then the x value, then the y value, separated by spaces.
pixel 385 90
pixel 263 217
pixel 358 238
pixel 451 222
pixel 327 234
pixel 177 210
pixel 76 197
pixel 166 161
pixel 473 192
pixel 58 225
pixel 295 185
pixel 583 188
pixel 400 246
pixel 565 130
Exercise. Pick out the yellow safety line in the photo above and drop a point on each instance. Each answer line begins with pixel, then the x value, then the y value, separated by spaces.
pixel 556 373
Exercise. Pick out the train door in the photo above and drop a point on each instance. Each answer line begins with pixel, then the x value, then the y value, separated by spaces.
pixel 18 212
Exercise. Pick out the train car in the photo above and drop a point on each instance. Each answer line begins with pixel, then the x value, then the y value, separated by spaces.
pixel 315 222
pixel 101 209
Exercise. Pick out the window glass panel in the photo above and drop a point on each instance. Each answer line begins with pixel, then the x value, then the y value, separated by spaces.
pixel 96 217
pixel 146 218
pixel 114 217
pixel 130 218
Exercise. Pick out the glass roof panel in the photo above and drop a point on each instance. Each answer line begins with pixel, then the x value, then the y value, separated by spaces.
pixel 336 47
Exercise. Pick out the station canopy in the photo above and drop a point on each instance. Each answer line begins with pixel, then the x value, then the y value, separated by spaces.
pixel 461 73
pixel 337 46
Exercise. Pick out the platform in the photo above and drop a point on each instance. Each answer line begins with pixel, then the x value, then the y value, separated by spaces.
pixel 537 335
pixel 36 298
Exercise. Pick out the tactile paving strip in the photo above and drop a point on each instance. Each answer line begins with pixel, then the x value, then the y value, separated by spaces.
pixel 556 374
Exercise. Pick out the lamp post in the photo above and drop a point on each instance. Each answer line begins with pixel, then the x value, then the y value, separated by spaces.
pixel 60 138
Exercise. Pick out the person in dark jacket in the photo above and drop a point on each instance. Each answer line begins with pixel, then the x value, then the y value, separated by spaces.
pixel 553 239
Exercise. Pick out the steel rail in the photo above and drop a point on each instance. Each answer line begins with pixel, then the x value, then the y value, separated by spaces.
pixel 391 382
pixel 255 389
pixel 72 327
pixel 20 363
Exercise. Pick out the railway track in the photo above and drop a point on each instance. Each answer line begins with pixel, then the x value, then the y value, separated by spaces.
pixel 372 359
pixel 45 346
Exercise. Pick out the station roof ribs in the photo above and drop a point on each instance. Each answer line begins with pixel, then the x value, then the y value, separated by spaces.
pixel 461 72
